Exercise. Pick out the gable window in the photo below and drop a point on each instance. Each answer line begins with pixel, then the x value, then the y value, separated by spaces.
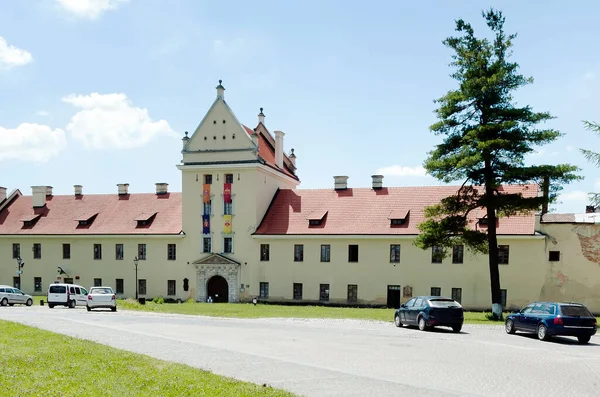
pixel 298 291
pixel 97 251
pixel 298 253
pixel 554 256
pixel 206 244
pixel 37 284
pixel 352 293
pixel 395 253
pixel 457 294
pixel 171 252
pixel 97 282
pixel 208 178
pixel 171 287
pixel 119 288
pixel 37 251
pixel 208 208
pixel 436 291
pixel 119 252
pixel 142 252
pixel 16 251
pixel 324 292
pixel 503 298
pixel 228 178
pixel 457 254
pixel 264 252
pixel 325 253
pixel 436 254
pixel 66 248
pixel 353 253
pixel 264 290
pixel 503 254
pixel 228 245
pixel 314 222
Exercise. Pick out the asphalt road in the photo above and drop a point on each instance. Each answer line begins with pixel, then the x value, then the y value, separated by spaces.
pixel 341 357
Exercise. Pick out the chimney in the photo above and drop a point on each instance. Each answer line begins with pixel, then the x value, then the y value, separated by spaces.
pixel 341 182
pixel 220 90
pixel 38 194
pixel 377 181
pixel 279 148
pixel 292 157
pixel 78 190
pixel 261 117
pixel 255 140
pixel 162 188
pixel 48 190
pixel 123 188
pixel 589 209
pixel 2 194
pixel 185 140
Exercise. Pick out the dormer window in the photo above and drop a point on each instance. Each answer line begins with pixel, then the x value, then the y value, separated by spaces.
pixel 86 219
pixel 145 219
pixel 483 221
pixel 30 220
pixel 398 217
pixel 316 218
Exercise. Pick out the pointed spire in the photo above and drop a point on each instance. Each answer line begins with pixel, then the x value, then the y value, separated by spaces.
pixel 292 157
pixel 221 90
pixel 261 116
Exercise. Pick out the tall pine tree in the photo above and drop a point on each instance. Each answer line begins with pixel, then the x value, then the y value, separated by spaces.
pixel 592 157
pixel 486 137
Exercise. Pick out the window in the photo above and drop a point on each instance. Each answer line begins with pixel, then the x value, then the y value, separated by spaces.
pixel 37 251
pixel 206 244
pixel 37 284
pixel 457 253
pixel 171 287
pixel 119 252
pixel 228 178
pixel 68 280
pixel 208 179
pixel 142 286
pixel 119 288
pixel 16 282
pixel 228 208
pixel 436 291
pixel 324 292
pixel 436 254
pixel 298 253
pixel 228 245
pixel 298 291
pixel 457 294
pixel 395 253
pixel 264 290
pixel 142 252
pixel 97 282
pixel 16 251
pixel 325 253
pixel 315 222
pixel 208 208
pixel 554 256
pixel 264 252
pixel 503 298
pixel 352 253
pixel 66 251
pixel 97 251
pixel 352 293
pixel 171 252
pixel 503 254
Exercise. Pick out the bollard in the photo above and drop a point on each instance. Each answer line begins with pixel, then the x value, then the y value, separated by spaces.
pixel 42 302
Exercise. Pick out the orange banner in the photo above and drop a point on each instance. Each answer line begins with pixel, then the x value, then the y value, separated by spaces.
pixel 206 192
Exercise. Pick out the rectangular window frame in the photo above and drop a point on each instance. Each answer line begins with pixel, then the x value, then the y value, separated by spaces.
pixel 325 253
pixel 206 244
pixel 142 285
pixel 228 244
pixel 503 254
pixel 98 282
pixel 207 208
pixel 66 251
pixel 37 250
pixel 503 297
pixel 97 252
pixel 353 253
pixel 436 254
pixel 298 252
pixel 208 179
pixel 265 252
pixel 263 290
pixel 324 291
pixel 228 178
pixel 37 284
pixel 457 294
pixel 352 295
pixel 458 254
pixel 394 253
pixel 16 250
pixel 171 252
pixel 119 252
pixel 171 287
pixel 142 252
pixel 119 286
pixel 554 256
pixel 297 291
pixel 436 291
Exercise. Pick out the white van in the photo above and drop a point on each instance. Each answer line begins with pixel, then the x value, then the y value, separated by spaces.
pixel 69 295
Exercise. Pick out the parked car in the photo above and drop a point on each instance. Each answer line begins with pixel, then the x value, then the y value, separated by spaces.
pixel 14 296
pixel 101 297
pixel 548 319
pixel 430 311
pixel 69 295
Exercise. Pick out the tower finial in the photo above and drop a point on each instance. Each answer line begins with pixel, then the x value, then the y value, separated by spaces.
pixel 261 116
pixel 221 90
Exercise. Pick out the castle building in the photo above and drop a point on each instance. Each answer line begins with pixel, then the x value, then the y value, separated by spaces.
pixel 241 228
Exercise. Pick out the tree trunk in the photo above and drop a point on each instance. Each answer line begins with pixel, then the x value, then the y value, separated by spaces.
pixel 493 243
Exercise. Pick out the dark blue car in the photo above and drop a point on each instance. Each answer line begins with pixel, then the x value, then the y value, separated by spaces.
pixel 548 319
pixel 430 311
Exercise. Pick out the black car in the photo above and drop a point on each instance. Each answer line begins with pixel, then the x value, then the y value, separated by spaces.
pixel 430 311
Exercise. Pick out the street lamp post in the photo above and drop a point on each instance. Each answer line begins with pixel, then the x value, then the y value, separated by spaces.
pixel 135 262
pixel 20 265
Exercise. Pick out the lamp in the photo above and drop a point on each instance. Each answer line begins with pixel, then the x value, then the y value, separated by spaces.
pixel 135 262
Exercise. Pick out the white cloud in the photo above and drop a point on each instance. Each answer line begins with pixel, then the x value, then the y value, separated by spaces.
pixel 589 76
pixel 576 195
pixel 90 9
pixel 399 170
pixel 31 142
pixel 11 56
pixel 109 121
pixel 42 113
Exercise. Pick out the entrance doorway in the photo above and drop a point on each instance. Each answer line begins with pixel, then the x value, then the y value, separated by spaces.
pixel 393 296
pixel 218 289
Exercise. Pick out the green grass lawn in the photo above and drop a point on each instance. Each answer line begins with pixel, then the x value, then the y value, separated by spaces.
pixel 35 362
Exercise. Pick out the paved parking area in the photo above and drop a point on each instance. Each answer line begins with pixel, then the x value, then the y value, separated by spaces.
pixel 341 357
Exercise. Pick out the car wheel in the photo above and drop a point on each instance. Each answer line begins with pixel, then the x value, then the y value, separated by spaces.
pixel 89 309
pixel 114 309
pixel 583 339
pixel 4 302
pixel 422 324
pixel 397 321
pixel 50 306
pixel 457 328
pixel 29 302
pixel 542 332
pixel 72 304
pixel 509 326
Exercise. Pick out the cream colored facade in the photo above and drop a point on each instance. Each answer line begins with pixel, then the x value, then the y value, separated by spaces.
pixel 220 146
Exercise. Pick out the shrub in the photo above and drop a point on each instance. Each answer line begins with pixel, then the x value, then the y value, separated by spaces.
pixel 158 300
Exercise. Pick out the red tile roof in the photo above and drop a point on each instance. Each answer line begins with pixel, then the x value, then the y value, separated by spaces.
pixel 116 214
pixel 366 211
pixel 266 150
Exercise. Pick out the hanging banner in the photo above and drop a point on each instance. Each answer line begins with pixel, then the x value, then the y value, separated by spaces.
pixel 206 192
pixel 205 224
pixel 227 192
pixel 227 228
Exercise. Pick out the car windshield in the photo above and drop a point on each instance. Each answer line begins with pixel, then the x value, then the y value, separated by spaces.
pixel 101 291
pixel 443 303
pixel 575 311
pixel 58 289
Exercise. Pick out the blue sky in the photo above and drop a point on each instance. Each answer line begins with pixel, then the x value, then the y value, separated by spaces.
pixel 99 92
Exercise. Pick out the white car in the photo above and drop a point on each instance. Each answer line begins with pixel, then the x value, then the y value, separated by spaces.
pixel 11 296
pixel 101 297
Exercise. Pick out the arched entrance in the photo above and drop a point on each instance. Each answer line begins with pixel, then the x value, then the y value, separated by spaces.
pixel 218 289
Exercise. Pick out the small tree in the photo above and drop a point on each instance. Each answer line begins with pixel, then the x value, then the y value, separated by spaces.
pixel 486 137
pixel 592 157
